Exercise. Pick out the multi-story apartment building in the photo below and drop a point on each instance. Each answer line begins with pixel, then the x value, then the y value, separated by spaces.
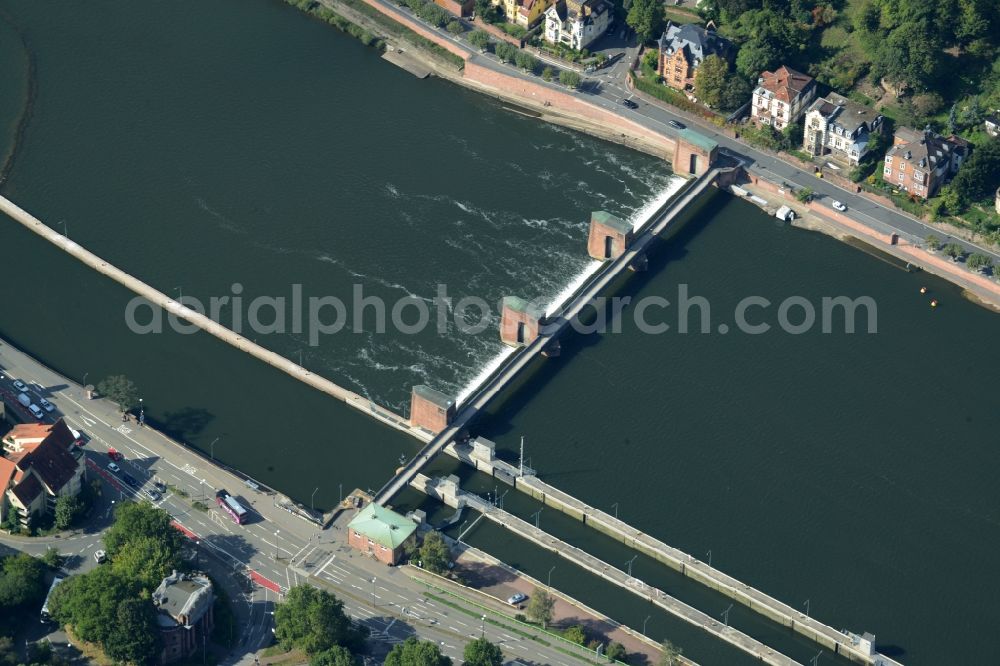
pixel 839 128
pixel 524 13
pixel 684 47
pixel 576 24
pixel 781 97
pixel 921 162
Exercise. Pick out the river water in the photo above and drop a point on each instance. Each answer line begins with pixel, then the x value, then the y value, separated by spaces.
pixel 198 145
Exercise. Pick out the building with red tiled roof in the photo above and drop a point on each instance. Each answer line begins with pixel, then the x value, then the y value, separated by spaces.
pixel 921 162
pixel 781 97
pixel 34 474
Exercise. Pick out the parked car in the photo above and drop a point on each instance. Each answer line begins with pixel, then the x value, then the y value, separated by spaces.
pixel 115 469
pixel 100 556
pixel 151 495
pixel 36 411
pixel 20 386
pixel 23 399
pixel 46 405
pixel 160 486
pixel 839 206
pixel 676 125
pixel 130 480
pixel 516 598
pixel 114 455
pixel 629 104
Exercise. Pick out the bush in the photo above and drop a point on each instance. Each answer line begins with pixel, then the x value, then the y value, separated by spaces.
pixel 804 194
pixel 547 74
pixel 479 39
pixel 455 28
pixel 526 61
pixel 954 250
pixel 569 78
pixel 506 52
pixel 616 652
pixel 576 634
pixel 932 242
pixel 978 262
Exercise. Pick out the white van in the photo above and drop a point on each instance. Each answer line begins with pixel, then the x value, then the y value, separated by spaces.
pixel 24 399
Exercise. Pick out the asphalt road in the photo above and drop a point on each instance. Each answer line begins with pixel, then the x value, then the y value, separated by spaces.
pixel 264 557
pixel 606 88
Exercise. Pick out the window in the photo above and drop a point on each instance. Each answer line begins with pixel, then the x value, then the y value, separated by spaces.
pixel 888 159
pixel 888 170
pixel 918 175
pixel 901 176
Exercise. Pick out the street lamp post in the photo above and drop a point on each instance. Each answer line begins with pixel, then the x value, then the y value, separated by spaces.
pixel 644 624
pixel 550 576
pixel 373 592
pixel 615 505
pixel 629 565
pixel 212 447
pixel 482 631
pixel 142 413
pixel 807 607
pixel 276 545
pixel 312 504
pixel 536 516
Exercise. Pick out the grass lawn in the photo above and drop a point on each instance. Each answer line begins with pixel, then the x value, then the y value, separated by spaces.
pixel 678 15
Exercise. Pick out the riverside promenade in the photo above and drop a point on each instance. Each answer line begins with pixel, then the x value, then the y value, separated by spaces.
pixel 206 324
pixel 448 492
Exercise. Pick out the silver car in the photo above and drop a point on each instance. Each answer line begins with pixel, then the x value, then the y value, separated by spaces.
pixel 36 411
pixel 46 405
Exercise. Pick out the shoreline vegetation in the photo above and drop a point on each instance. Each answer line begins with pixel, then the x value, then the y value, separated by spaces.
pixel 370 35
pixel 31 94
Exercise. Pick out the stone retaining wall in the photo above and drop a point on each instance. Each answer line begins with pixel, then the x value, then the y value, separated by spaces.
pixel 416 26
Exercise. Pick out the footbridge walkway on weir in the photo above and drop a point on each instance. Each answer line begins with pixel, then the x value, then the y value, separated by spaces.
pixel 448 492
pixel 508 372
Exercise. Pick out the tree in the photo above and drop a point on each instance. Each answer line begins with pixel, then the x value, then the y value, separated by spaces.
pixel 669 654
pixel 540 607
pixel 22 582
pixel 335 656
pixel 710 80
pixel 314 621
pixel 756 57
pixel 145 560
pixel 978 262
pixel 616 652
pixel 52 558
pixel 67 511
pixel 735 93
pixel 455 28
pixel 134 521
pixel 804 194
pixel 480 40
pixel 547 74
pixel 434 553
pixel 576 634
pixel 120 389
pixel 414 652
pixel 979 177
pixel 486 11
pixel 932 242
pixel 89 602
pixel 569 78
pixel 506 52
pixel 646 17
pixel 481 652
pixel 954 250
pixel 133 638
pixel 526 61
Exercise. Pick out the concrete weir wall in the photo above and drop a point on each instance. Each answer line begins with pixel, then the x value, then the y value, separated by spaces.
pixel 171 306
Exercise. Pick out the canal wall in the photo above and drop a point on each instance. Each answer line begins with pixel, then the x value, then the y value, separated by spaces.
pixel 447 491
pixel 206 324
pixel 981 287
pixel 480 454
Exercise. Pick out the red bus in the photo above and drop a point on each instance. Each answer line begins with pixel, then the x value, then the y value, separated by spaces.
pixel 231 506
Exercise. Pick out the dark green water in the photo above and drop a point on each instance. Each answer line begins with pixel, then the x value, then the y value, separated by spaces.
pixel 855 471
pixel 198 145
pixel 201 145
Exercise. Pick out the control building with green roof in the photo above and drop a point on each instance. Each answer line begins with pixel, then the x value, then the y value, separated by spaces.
pixel 381 533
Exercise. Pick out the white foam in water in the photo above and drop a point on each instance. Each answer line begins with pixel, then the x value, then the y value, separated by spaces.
pixel 640 218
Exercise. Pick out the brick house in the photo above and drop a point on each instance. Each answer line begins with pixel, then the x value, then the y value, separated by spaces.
pixel 381 533
pixel 921 162
pixel 38 468
pixel 781 97
pixel 684 47
pixel 183 614
pixel 840 128
pixel 576 24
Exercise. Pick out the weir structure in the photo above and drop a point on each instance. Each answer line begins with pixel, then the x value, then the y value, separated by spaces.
pixel 622 248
